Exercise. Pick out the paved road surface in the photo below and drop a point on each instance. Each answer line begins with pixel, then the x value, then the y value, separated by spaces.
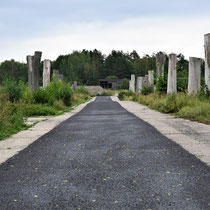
pixel 104 158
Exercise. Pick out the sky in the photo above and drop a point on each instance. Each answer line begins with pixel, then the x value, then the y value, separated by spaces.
pixel 58 27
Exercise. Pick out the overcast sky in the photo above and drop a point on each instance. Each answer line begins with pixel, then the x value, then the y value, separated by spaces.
pixel 60 26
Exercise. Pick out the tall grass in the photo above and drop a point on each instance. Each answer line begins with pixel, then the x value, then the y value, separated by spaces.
pixel 17 103
pixel 193 107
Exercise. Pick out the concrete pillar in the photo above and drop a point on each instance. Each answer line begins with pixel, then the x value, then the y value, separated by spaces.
pixel 160 62
pixel 132 83
pixel 146 80
pixel 74 86
pixel 172 82
pixel 194 77
pixel 29 59
pixel 33 63
pixel 46 72
pixel 36 66
pixel 151 77
pixel 58 76
pixel 207 59
pixel 139 84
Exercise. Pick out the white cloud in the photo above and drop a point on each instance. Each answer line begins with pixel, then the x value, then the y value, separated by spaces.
pixel 145 35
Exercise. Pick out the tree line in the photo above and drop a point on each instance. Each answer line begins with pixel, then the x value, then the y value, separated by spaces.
pixel 87 67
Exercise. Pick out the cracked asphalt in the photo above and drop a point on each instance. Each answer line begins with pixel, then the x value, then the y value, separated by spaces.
pixel 104 158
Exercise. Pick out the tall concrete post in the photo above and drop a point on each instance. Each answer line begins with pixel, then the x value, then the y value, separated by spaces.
pixel 160 62
pixel 207 59
pixel 36 65
pixel 172 82
pixel 139 84
pixel 58 76
pixel 46 72
pixel 151 77
pixel 33 63
pixel 194 77
pixel 29 59
pixel 132 83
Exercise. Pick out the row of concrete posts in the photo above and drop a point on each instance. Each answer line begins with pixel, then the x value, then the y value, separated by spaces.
pixel 194 75
pixel 33 63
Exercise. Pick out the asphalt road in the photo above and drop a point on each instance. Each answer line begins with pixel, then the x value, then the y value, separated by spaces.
pixel 104 158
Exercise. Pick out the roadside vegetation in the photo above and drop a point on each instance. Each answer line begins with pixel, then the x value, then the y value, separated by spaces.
pixel 17 103
pixel 192 107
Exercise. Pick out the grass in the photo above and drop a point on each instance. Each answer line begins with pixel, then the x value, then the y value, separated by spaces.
pixel 12 114
pixel 12 120
pixel 192 107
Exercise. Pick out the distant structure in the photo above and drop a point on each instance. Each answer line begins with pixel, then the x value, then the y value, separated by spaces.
pixel 109 83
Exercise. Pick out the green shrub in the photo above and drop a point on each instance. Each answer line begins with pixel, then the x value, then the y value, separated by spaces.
pixel 65 94
pixel 38 110
pixel 111 77
pixel 27 96
pixel 11 117
pixel 161 84
pixel 124 93
pixel 146 90
pixel 40 96
pixel 56 90
pixel 13 89
pixel 82 90
pixel 125 84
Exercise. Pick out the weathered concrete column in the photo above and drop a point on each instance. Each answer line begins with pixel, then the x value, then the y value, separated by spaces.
pixel 194 77
pixel 207 59
pixel 58 76
pixel 151 77
pixel 74 86
pixel 36 66
pixel 46 72
pixel 139 84
pixel 33 63
pixel 160 62
pixel 146 80
pixel 172 82
pixel 29 59
pixel 132 83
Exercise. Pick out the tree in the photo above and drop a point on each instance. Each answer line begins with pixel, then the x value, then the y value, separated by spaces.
pixel 118 64
pixel 13 70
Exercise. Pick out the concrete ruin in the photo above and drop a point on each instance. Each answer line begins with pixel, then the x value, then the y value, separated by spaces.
pixel 33 64
pixel 172 81
pixel 141 82
pixel 132 83
pixel 151 78
pixel 207 59
pixel 160 62
pixel 58 76
pixel 46 72
pixel 194 77
pixel 74 86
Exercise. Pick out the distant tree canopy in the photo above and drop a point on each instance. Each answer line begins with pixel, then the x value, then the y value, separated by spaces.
pixel 13 70
pixel 87 67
